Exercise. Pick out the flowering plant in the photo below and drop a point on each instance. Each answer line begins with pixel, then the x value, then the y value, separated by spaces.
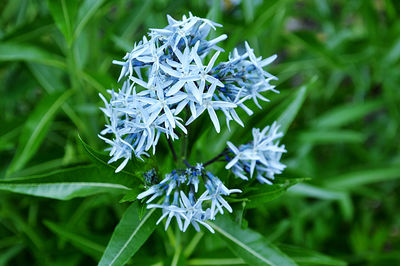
pixel 167 85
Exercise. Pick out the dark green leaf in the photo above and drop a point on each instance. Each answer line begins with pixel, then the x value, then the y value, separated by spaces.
pixel 136 167
pixel 129 235
pixel 249 245
pixel 307 257
pixel 86 245
pixel 261 193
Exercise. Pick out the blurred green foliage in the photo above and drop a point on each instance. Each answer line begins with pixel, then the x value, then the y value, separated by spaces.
pixel 55 57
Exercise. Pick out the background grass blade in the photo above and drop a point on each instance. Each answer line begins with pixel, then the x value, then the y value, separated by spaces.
pixel 36 128
pixel 288 115
pixel 345 114
pixel 64 12
pixel 305 257
pixel 87 246
pixel 129 235
pixel 252 247
pixel 353 180
pixel 24 52
pixel 85 12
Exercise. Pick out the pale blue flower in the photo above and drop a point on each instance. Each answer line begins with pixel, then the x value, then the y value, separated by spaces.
pixel 262 155
pixel 193 211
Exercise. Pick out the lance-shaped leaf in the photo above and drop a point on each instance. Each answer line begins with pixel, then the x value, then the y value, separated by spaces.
pixel 10 51
pixel 260 193
pixel 36 128
pixel 287 116
pixel 85 12
pixel 70 183
pixel 135 168
pixel 63 13
pixel 249 245
pixel 287 111
pixel 129 235
pixel 308 257
pixel 83 243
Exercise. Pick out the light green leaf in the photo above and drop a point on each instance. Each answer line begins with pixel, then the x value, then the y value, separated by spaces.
pixel 249 245
pixel 342 197
pixel 216 261
pixel 359 178
pixel 24 52
pixel 70 183
pixel 85 12
pixel 290 112
pixel 63 12
pixel 129 235
pixel 63 191
pixel 346 114
pixel 36 128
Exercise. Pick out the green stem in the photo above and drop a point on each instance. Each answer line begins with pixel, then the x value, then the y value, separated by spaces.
pixel 193 244
pixel 178 248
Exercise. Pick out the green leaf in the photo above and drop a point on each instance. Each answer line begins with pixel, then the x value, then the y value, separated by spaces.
pixel 346 114
pixel 51 80
pixel 285 112
pixel 359 178
pixel 290 112
pixel 70 183
pixel 305 257
pixel 86 245
pixel 136 167
pixel 85 12
pixel 249 245
pixel 63 12
pixel 309 40
pixel 7 255
pixel 36 128
pixel 131 195
pixel 342 197
pixel 24 52
pixel 129 235
pixel 331 136
pixel 260 194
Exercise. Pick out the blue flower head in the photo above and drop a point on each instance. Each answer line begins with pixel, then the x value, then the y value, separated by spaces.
pixel 166 74
pixel 262 155
pixel 167 83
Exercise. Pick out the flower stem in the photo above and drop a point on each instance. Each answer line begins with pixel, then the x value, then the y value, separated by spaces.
pixel 171 147
pixel 216 158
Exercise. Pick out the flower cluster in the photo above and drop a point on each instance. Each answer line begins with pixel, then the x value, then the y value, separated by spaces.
pixel 185 207
pixel 167 84
pixel 261 155
pixel 166 76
